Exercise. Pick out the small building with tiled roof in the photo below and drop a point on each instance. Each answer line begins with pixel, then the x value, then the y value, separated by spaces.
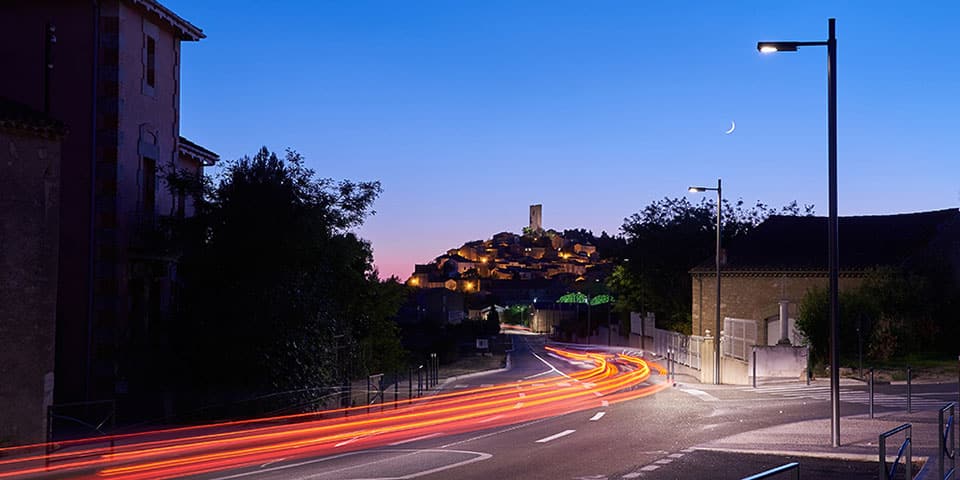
pixel 785 256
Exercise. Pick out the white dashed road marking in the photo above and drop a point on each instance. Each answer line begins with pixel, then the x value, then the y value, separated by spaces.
pixel 597 416
pixel 649 468
pixel 414 439
pixel 555 436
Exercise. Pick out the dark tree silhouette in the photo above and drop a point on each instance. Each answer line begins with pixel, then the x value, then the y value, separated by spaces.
pixel 277 294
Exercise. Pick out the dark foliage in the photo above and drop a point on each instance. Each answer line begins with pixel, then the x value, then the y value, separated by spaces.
pixel 277 294
pixel 669 237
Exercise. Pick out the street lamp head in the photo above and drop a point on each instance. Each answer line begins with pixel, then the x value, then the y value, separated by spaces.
pixel 697 189
pixel 772 47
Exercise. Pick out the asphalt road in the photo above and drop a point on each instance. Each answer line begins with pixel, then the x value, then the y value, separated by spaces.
pixel 656 436
pixel 651 437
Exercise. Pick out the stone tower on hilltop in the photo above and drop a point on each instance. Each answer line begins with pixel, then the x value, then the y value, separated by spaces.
pixel 536 218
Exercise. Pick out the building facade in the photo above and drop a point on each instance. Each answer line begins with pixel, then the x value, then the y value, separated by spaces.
pixel 29 239
pixel 112 76
pixel 786 256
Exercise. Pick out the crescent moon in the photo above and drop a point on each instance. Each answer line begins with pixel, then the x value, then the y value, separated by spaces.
pixel 733 126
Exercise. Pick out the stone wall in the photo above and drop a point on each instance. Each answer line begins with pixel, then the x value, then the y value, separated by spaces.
pixel 753 297
pixel 29 226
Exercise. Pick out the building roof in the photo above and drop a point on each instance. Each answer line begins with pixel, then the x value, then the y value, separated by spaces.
pixel 185 30
pixel 460 259
pixel 197 153
pixel 16 116
pixel 792 243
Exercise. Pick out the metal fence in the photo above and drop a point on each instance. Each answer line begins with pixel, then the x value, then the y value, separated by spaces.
pixel 905 447
pixel 788 467
pixel 739 337
pixel 685 348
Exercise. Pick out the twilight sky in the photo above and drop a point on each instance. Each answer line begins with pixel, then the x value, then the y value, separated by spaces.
pixel 469 111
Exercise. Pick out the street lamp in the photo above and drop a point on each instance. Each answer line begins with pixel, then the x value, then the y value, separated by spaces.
pixel 832 231
pixel 716 343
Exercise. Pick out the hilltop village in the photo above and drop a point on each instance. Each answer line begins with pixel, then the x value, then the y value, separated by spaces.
pixel 536 254
pixel 530 270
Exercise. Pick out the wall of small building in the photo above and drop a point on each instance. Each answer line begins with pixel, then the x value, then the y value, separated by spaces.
pixel 22 43
pixel 753 297
pixel 29 200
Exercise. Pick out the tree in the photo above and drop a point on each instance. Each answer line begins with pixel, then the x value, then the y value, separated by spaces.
pixel 277 293
pixel 895 311
pixel 665 240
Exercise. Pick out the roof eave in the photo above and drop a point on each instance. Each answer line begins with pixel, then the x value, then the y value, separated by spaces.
pixel 187 30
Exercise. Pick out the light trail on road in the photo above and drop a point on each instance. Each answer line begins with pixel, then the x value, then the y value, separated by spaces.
pixel 178 452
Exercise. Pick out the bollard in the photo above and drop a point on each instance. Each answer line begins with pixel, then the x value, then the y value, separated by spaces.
pixel 754 369
pixel 871 393
pixel 909 390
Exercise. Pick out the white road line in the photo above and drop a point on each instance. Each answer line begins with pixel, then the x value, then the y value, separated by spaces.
pixel 604 403
pixel 597 416
pixel 552 368
pixel 700 394
pixel 271 462
pixel 461 386
pixel 664 461
pixel 555 436
pixel 528 377
pixel 521 394
pixel 632 475
pixel 649 468
pixel 345 442
pixel 490 419
pixel 675 455
pixel 486 385
pixel 563 384
pixel 518 405
pixel 498 432
pixel 414 439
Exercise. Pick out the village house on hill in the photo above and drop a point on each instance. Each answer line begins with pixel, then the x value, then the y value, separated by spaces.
pixel 786 256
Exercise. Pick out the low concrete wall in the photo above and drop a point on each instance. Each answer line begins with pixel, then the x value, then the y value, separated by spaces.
pixel 781 361
pixel 776 361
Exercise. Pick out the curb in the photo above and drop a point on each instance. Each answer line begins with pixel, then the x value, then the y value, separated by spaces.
pixel 853 457
pixel 475 374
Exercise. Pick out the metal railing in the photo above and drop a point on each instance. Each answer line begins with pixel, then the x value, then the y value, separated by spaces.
pixel 907 446
pixel 948 443
pixel 795 466
pixel 684 348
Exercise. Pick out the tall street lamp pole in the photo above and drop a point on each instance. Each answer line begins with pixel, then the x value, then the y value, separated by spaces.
pixel 716 343
pixel 832 231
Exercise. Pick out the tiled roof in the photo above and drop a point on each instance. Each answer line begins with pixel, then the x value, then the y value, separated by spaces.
pixel 792 243
pixel 16 116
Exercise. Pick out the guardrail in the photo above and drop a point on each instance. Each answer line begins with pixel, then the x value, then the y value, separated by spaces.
pixel 947 446
pixel 795 466
pixel 906 445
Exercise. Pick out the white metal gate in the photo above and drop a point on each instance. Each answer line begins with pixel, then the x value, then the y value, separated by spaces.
pixel 686 349
pixel 738 337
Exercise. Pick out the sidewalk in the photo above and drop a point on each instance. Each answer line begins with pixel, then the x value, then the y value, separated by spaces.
pixel 859 436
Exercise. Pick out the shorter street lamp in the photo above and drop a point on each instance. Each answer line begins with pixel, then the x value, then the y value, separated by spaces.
pixel 716 342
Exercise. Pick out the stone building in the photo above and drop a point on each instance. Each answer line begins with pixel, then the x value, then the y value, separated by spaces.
pixel 30 202
pixel 110 71
pixel 786 256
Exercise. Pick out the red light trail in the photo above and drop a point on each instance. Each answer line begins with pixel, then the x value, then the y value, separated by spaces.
pixel 177 452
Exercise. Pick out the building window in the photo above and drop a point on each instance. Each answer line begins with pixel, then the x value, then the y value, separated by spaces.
pixel 149 190
pixel 151 62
